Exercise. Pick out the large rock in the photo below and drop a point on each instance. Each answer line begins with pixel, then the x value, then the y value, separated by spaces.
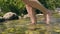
pixel 2 19
pixel 10 16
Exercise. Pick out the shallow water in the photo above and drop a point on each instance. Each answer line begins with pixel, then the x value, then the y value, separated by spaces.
pixel 22 26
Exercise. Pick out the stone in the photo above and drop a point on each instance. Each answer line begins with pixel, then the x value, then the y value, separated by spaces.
pixel 10 16
pixel 26 16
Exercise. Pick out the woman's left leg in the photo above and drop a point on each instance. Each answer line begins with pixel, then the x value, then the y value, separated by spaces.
pixel 31 13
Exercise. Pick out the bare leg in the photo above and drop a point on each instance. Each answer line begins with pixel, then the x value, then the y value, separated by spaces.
pixel 36 4
pixel 31 13
pixel 47 17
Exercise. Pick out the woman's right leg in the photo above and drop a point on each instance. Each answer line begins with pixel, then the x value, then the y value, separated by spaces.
pixel 47 17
